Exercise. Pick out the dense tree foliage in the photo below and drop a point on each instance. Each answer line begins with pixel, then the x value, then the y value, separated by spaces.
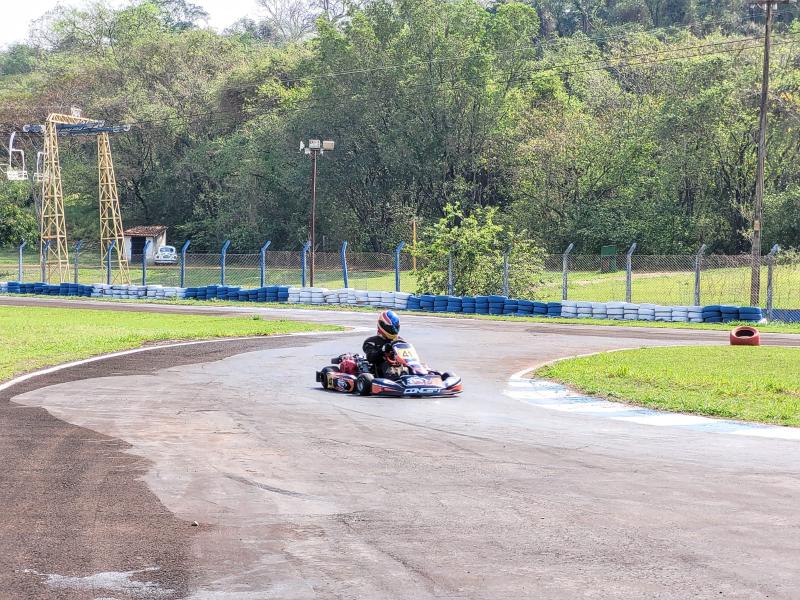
pixel 586 121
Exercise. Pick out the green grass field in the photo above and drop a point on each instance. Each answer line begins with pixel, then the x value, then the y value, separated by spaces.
pixel 774 327
pixel 717 286
pixel 750 383
pixel 33 337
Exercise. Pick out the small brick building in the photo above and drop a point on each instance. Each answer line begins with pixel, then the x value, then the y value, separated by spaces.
pixel 137 237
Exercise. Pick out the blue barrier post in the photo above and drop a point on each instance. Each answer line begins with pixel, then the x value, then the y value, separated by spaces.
pixel 21 248
pixel 506 285
pixel 183 261
pixel 565 270
pixel 398 249
pixel 770 267
pixel 698 265
pixel 147 245
pixel 108 261
pixel 306 247
pixel 629 272
pixel 222 259
pixel 45 250
pixel 343 254
pixel 450 274
pixel 262 263
pixel 78 246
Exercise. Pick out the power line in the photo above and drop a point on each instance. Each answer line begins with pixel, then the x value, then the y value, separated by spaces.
pixel 564 68
pixel 550 44
pixel 546 44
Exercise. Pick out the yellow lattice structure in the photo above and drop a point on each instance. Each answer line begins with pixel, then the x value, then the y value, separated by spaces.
pixel 53 227
pixel 110 217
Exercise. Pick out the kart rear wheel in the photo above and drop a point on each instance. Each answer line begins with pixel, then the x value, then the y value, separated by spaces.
pixel 364 384
pixel 325 372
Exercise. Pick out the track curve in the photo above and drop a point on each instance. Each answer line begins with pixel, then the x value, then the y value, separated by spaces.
pixel 301 493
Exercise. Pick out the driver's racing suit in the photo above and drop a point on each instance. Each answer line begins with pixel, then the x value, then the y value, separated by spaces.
pixel 375 348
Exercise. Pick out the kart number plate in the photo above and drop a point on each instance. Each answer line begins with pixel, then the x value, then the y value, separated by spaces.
pixel 416 381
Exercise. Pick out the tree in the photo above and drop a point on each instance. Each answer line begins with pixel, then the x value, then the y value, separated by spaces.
pixel 476 243
pixel 17 219
pixel 292 20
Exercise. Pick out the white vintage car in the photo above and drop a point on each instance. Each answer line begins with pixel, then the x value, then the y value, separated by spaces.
pixel 166 255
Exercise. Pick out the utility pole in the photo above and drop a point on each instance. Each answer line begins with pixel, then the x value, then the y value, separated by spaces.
pixel 314 148
pixel 313 224
pixel 755 275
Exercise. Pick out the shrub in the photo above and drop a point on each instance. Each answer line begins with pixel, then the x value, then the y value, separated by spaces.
pixel 477 244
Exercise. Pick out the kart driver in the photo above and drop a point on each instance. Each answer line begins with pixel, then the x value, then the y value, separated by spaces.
pixel 376 347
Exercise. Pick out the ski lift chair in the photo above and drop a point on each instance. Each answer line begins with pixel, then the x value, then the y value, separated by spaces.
pixel 12 173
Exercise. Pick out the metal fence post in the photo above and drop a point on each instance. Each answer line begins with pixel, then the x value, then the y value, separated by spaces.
pixel 770 289
pixel 262 262
pixel 629 272
pixel 303 259
pixel 398 249
pixel 184 248
pixel 565 270
pixel 44 260
pixel 343 256
pixel 108 261
pixel 223 257
pixel 147 245
pixel 698 265
pixel 506 286
pixel 20 271
pixel 78 246
pixel 450 286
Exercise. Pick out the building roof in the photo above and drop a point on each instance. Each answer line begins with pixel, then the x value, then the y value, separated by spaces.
pixel 145 231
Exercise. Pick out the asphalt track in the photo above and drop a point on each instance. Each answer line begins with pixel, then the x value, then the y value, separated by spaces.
pixel 300 493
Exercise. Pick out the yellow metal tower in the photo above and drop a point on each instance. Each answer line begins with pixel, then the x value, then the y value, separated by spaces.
pixel 52 224
pixel 110 218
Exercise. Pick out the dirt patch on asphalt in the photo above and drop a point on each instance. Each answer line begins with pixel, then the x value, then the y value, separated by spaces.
pixel 77 520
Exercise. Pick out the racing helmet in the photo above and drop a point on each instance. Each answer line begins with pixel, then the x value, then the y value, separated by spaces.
pixel 388 325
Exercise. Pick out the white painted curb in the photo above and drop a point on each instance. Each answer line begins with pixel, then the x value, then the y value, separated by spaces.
pixel 101 357
pixel 555 396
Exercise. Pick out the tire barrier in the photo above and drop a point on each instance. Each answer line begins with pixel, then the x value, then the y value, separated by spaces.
pixel 481 305
pixel 745 336
pixel 46 289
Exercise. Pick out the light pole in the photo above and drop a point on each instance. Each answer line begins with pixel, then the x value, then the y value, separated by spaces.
pixel 314 148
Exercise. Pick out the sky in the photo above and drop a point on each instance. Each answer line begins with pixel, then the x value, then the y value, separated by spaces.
pixel 17 14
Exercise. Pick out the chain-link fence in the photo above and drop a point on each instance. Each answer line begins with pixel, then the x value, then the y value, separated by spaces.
pixel 667 280
pixel 670 279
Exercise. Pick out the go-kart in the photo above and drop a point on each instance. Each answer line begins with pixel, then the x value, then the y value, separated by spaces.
pixel 404 376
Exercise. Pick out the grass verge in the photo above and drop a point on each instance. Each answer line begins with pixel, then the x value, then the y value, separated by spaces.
pixel 34 337
pixel 775 327
pixel 759 384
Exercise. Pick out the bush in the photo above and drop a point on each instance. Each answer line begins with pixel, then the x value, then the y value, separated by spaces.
pixel 17 222
pixel 477 244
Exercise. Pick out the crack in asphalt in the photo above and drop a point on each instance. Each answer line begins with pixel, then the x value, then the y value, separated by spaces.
pixel 265 487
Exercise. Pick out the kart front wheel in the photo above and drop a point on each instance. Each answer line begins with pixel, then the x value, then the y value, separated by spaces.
pixel 364 384
pixel 324 378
